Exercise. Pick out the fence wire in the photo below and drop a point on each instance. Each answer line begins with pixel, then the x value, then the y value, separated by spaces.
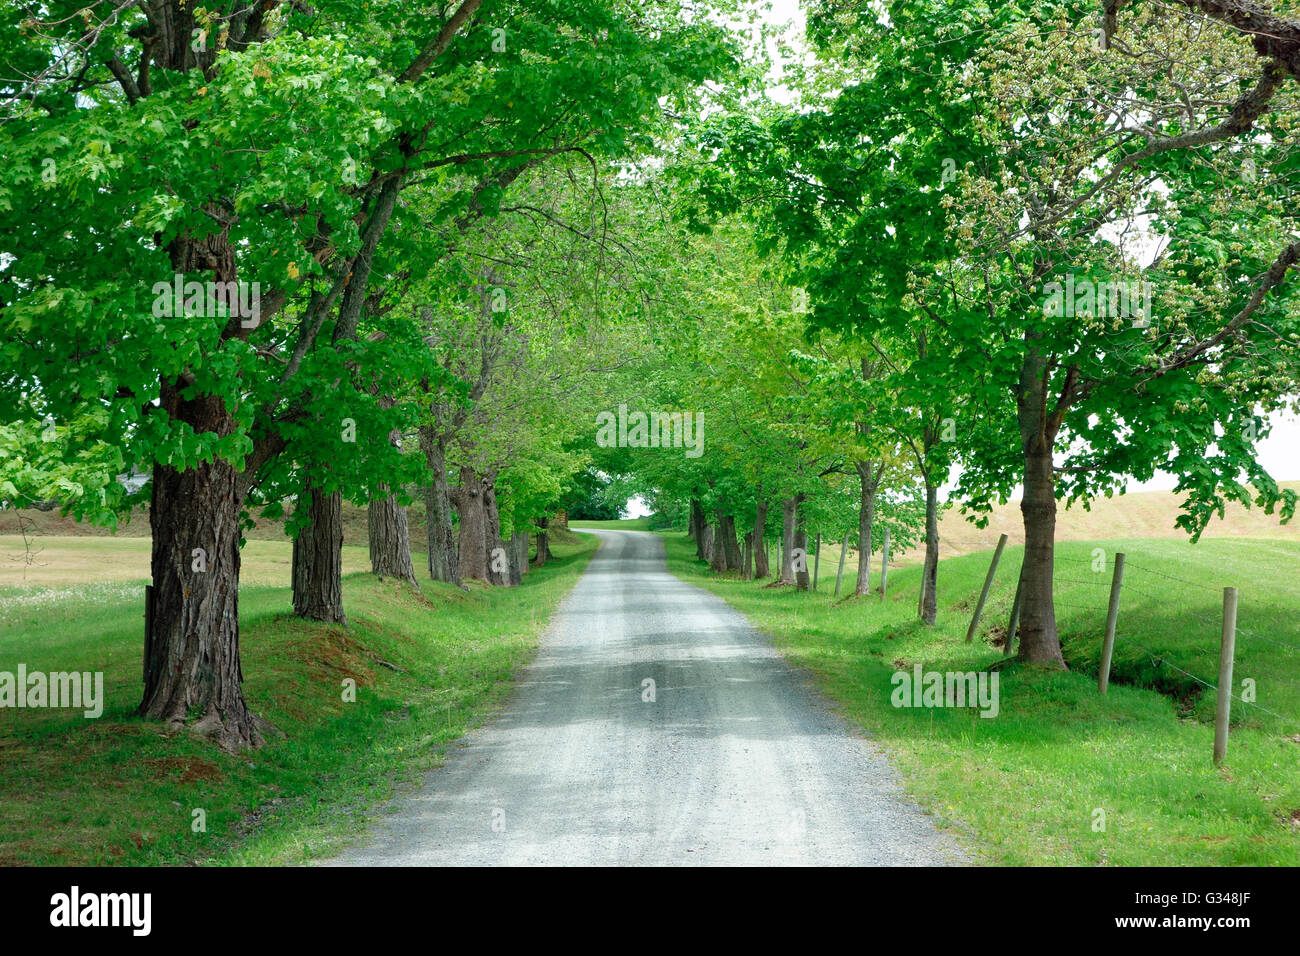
pixel 1102 579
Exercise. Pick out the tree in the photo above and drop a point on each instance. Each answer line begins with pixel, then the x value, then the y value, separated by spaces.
pixel 266 153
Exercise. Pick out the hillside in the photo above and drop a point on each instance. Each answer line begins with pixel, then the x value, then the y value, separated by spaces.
pixel 1144 514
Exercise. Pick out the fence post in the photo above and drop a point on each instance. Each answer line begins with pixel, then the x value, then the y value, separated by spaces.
pixel 817 560
pixel 884 563
pixel 1227 645
pixel 839 575
pixel 1112 616
pixel 1013 625
pixel 984 594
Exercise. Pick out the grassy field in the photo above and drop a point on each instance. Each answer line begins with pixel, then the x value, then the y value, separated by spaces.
pixel 630 524
pixel 1026 787
pixel 1142 515
pixel 428 667
pixel 57 560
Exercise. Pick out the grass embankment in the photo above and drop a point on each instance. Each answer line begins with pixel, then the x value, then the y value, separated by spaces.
pixel 428 667
pixel 1025 787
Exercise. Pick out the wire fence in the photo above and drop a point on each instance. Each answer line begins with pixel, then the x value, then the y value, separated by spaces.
pixel 1083 586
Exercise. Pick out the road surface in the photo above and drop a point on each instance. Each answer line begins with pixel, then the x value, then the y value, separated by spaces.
pixel 735 760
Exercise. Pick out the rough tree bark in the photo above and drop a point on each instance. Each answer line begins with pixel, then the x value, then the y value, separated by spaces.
pixel 730 546
pixel 318 558
pixel 443 562
pixel 802 578
pixel 500 566
pixel 869 478
pixel 725 555
pixel 468 499
pixel 930 571
pixel 517 548
pixel 390 539
pixel 191 650
pixel 698 524
pixel 789 518
pixel 543 542
pixel 1039 643
pixel 191 647
pixel 717 553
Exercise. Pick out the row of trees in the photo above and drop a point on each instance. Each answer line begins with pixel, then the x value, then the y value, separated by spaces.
pixel 276 253
pixel 1040 248
pixel 788 441
pixel 1052 244
pixel 389 223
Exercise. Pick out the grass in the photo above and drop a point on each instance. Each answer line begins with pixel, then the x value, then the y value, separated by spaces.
pixel 1025 788
pixel 57 560
pixel 622 524
pixel 428 667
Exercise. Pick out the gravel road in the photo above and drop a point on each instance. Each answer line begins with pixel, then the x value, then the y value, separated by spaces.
pixel 734 761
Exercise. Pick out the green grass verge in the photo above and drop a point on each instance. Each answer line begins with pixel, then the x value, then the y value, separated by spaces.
pixel 1025 788
pixel 428 667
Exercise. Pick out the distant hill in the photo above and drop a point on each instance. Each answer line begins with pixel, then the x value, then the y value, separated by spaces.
pixel 1143 514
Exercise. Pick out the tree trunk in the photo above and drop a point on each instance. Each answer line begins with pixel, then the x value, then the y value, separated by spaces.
pixel 730 546
pixel 760 541
pixel 706 540
pixel 443 562
pixel 318 558
pixel 468 499
pixel 698 524
pixel 499 563
pixel 191 647
pixel 390 539
pixel 520 541
pixel 930 571
pixel 725 555
pixel 789 514
pixel 543 542
pixel 747 561
pixel 801 541
pixel 1039 642
pixel 869 481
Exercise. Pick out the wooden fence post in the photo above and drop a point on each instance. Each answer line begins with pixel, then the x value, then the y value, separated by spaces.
pixel 984 594
pixel 1227 646
pixel 1112 615
pixel 884 563
pixel 839 575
